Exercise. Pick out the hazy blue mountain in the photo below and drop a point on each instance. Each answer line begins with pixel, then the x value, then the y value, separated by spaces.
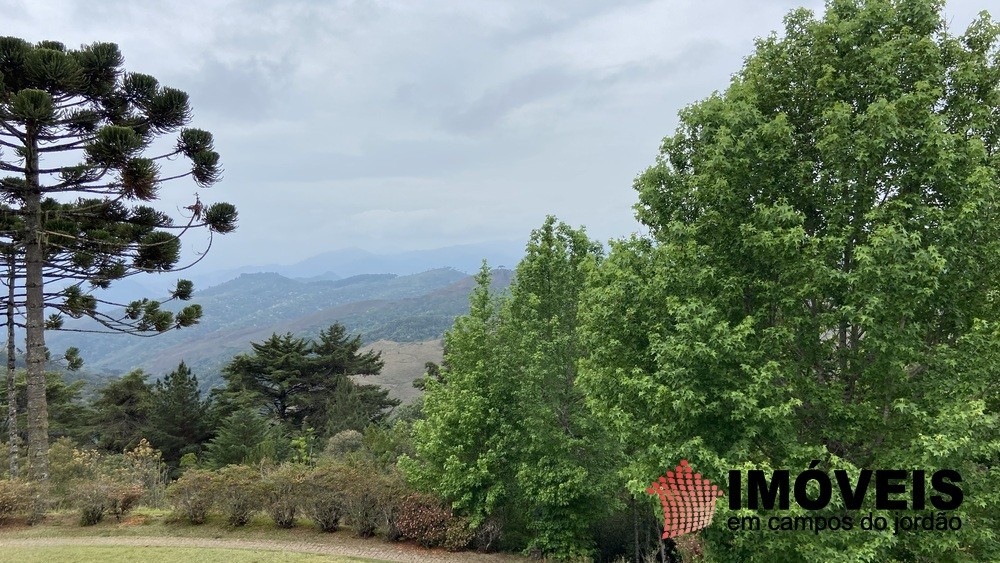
pixel 401 308
pixel 349 262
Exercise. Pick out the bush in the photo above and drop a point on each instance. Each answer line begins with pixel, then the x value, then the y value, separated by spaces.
pixel 238 493
pixel 95 498
pixel 123 497
pixel 342 443
pixel 91 499
pixel 423 519
pixel 192 495
pixel 460 534
pixel 371 498
pixel 488 535
pixel 282 489
pixel 324 496
pixel 23 499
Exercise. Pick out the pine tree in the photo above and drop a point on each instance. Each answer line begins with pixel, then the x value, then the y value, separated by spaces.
pixel 74 124
pixel 307 383
pixel 121 412
pixel 178 417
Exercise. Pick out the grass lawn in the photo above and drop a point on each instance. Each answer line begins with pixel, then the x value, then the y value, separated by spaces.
pixel 152 523
pixel 160 523
pixel 71 554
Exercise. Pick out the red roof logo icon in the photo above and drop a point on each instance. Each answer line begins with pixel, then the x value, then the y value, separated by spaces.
pixel 688 500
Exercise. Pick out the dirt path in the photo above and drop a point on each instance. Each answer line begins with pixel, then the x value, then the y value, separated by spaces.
pixel 350 547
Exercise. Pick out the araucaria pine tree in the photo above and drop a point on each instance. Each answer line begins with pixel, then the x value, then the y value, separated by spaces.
pixel 76 132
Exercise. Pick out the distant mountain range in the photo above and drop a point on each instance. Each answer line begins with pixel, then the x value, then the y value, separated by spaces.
pixel 329 266
pixel 393 308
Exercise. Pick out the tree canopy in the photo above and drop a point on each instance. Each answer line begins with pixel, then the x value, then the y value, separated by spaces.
pixel 818 282
pixel 302 382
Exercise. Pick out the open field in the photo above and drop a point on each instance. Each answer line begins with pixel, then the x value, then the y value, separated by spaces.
pixel 158 554
pixel 152 536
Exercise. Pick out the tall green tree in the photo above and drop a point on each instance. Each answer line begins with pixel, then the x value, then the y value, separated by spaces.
pixel 818 282
pixel 178 420
pixel 74 123
pixel 507 433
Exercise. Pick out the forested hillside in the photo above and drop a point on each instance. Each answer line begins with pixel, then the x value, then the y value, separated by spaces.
pixel 410 308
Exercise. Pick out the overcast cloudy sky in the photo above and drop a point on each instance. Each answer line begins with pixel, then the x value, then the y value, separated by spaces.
pixel 404 124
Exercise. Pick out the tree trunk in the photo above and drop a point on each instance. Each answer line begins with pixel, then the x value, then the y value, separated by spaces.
pixel 13 438
pixel 38 417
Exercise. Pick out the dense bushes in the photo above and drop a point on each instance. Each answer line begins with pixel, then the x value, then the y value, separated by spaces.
pixel 423 519
pixel 192 495
pixel 358 487
pixel 324 496
pixel 238 493
pixel 21 499
pixel 282 490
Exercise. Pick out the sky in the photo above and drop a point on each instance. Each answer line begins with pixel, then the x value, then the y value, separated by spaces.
pixel 394 125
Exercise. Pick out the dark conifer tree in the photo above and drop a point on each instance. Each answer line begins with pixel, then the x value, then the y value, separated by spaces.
pixel 178 420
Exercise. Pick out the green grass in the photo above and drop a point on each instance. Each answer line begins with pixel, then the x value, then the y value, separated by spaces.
pixel 160 523
pixel 71 554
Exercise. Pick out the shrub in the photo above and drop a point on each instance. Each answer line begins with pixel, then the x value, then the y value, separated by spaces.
pixel 144 465
pixel 238 493
pixel 68 466
pixel 123 497
pixel 488 535
pixel 342 443
pixel 282 490
pixel 372 497
pixel 423 519
pixel 460 534
pixel 23 499
pixel 95 498
pixel 192 495
pixel 324 496
pixel 91 499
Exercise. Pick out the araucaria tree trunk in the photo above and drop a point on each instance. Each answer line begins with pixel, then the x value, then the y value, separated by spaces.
pixel 38 416
pixel 12 437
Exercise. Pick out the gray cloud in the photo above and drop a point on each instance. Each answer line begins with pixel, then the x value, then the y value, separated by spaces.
pixel 394 124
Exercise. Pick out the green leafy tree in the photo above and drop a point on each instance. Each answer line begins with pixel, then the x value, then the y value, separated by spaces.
pixel 472 425
pixel 507 433
pixel 818 281
pixel 121 412
pixel 72 124
pixel 178 421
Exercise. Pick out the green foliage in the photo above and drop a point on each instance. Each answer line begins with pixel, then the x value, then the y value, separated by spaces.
pixel 237 489
pixel 21 499
pixel 245 437
pixel 193 495
pixel 324 495
pixel 307 382
pixel 121 412
pixel 817 282
pixel 371 499
pixel 506 430
pixel 178 418
pixel 342 443
pixel 105 495
pixel 283 488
